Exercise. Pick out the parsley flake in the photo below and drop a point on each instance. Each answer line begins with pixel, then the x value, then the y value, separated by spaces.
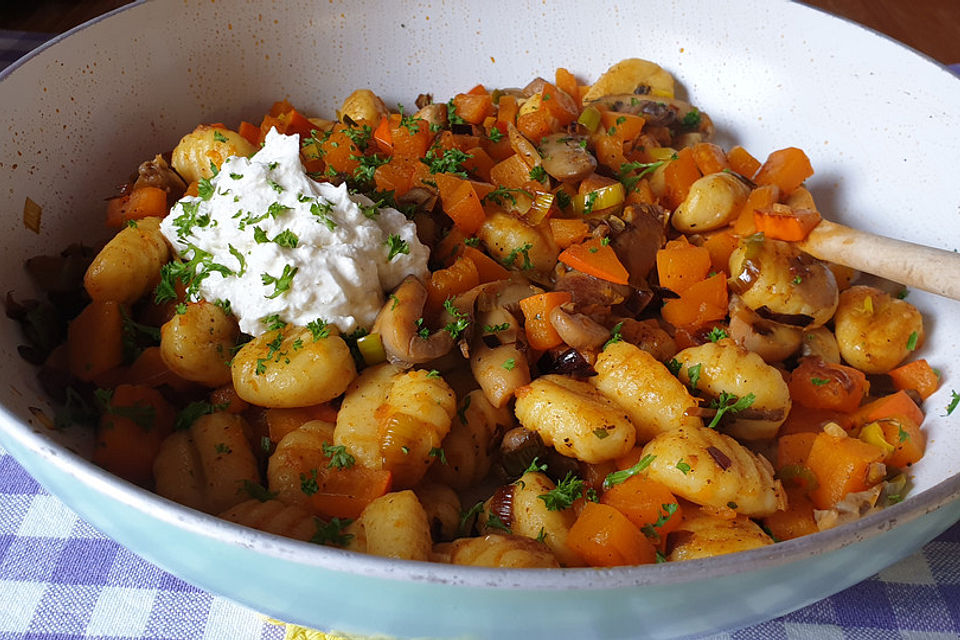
pixel 397 246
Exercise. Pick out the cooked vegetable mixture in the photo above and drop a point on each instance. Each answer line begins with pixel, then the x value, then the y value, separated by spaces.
pixel 538 327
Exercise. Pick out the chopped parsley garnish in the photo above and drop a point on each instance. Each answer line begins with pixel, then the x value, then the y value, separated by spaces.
pixel 273 353
pixel 494 522
pixel 452 116
pixel 683 466
pixel 189 414
pixel 563 497
pixel 319 328
pixel 619 477
pixel 461 320
pixel 239 256
pixel 322 211
pixel 190 218
pixel 331 533
pixel 411 124
pixel 819 382
pixel 433 373
pixel 273 185
pixel 281 283
pixel 472 241
pixel 673 366
pixel 797 279
pixel 524 251
pixel 954 401
pixel 496 328
pixel 539 174
pixel 449 161
pixel 220 447
pixel 204 189
pixel 716 334
pixel 652 530
pixel 397 246
pixel 536 466
pixel 694 373
pixel 502 194
pixel 462 411
pixel 588 203
pixel 132 223
pixel 509 364
pixel 236 176
pixel 144 416
pixel 360 136
pixel 308 483
pixel 692 118
pixel 495 134
pixel 367 167
pixel 287 239
pixel 438 453
pixel 729 403
pixel 903 293
pixel 219 137
pixel 615 336
pixel 339 458
pixel 273 322
pixel 191 273
pixel 258 491
pixel 562 198
pixel 422 331
pixel 601 433
pixel 645 168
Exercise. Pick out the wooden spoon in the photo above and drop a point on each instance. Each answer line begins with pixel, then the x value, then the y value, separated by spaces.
pixel 914 265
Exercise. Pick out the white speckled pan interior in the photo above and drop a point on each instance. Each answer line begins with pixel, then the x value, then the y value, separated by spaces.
pixel 878 121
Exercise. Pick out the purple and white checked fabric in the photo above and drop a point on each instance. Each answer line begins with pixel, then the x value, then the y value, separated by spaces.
pixel 61 579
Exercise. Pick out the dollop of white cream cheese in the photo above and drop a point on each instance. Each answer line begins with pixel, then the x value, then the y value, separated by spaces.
pixel 261 219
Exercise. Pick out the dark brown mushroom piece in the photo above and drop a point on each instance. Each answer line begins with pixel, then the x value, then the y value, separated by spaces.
pixel 636 236
pixel 158 173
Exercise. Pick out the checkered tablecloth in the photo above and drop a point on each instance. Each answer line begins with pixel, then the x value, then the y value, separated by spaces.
pixel 61 579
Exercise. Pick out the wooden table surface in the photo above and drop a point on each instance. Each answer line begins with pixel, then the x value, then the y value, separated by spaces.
pixel 930 26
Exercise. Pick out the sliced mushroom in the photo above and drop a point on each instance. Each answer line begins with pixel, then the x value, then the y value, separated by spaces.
pixel 772 341
pixel 157 173
pixel 639 237
pixel 499 371
pixel 578 330
pixel 523 147
pixel 633 76
pixel 399 325
pixel 565 157
pixel 434 114
pixel 534 86
pixel 587 290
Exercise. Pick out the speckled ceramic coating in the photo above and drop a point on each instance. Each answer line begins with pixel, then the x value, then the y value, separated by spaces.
pixel 878 121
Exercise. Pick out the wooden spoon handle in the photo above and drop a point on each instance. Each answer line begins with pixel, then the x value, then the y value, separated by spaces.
pixel 914 265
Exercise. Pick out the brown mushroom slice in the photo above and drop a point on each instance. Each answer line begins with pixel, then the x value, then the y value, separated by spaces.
pixel 638 234
pixel 158 173
pixel 398 324
pixel 565 157
pixel 434 114
pixel 578 330
pixel 587 290
pixel 499 371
